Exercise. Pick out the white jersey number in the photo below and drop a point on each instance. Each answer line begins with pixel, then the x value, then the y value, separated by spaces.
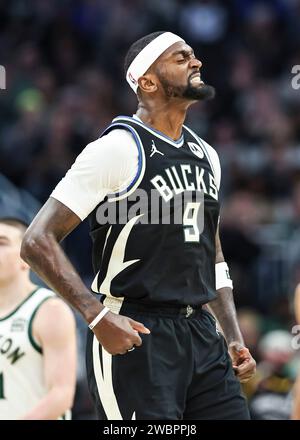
pixel 190 222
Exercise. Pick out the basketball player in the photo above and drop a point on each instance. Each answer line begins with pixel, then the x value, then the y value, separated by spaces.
pixel 37 339
pixel 154 351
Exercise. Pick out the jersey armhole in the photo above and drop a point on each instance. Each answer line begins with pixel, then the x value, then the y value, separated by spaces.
pixel 33 342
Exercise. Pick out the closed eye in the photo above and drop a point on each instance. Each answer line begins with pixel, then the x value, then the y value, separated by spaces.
pixel 4 243
pixel 184 55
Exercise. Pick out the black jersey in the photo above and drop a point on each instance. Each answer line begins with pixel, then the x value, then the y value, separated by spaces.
pixel 153 261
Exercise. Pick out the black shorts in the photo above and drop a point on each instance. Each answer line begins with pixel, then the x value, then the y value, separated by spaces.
pixel 182 371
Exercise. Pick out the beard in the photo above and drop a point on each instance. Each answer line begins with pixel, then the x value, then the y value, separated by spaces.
pixel 202 92
pixel 193 93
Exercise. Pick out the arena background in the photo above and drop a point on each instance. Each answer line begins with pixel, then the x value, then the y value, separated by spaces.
pixel 65 82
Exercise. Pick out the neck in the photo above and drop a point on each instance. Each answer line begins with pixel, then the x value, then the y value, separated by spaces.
pixel 14 292
pixel 164 117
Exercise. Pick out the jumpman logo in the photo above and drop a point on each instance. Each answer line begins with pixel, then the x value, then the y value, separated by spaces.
pixel 155 150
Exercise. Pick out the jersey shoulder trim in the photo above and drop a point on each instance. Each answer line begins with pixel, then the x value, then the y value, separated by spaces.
pixel 113 197
pixel 152 130
pixel 20 305
pixel 211 154
pixel 33 342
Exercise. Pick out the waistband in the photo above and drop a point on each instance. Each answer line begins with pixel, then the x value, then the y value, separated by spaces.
pixel 121 305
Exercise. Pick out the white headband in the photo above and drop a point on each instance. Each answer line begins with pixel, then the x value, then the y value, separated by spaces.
pixel 147 56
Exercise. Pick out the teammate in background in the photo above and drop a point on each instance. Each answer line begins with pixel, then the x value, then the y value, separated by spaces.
pixel 37 339
pixel 296 400
pixel 154 352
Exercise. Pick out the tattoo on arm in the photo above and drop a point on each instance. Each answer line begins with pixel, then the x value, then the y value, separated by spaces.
pixel 42 251
pixel 223 306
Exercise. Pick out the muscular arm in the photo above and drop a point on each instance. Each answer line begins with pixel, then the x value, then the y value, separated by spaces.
pixel 58 343
pixel 223 306
pixel 42 251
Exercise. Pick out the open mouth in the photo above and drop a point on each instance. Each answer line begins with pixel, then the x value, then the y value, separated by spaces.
pixel 196 79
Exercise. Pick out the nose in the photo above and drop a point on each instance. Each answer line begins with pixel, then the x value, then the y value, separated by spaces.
pixel 195 63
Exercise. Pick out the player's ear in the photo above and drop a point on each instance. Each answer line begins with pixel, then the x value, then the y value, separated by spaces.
pixel 24 265
pixel 148 83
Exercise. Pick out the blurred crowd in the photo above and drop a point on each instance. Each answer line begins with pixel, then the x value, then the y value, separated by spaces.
pixel 65 82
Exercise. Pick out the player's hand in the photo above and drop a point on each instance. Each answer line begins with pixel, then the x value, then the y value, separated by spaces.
pixel 243 363
pixel 117 334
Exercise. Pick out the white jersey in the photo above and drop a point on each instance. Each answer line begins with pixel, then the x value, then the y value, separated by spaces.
pixel 22 382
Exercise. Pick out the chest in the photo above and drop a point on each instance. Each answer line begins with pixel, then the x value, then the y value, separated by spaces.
pixel 171 170
pixel 14 339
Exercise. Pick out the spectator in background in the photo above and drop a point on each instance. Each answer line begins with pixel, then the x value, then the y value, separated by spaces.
pixel 296 393
pixel 250 325
pixel 272 399
pixel 239 219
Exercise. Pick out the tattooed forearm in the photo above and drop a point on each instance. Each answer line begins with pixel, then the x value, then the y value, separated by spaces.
pixel 223 306
pixel 41 250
